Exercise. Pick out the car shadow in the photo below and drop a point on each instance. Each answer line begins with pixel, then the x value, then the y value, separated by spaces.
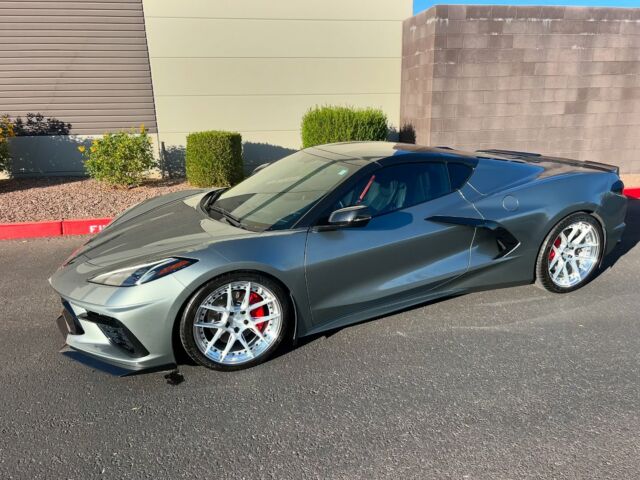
pixel 630 238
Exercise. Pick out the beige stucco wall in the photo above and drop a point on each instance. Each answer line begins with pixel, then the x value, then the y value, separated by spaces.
pixel 255 66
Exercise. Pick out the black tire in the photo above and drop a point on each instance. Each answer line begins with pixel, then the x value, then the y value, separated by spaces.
pixel 189 316
pixel 543 276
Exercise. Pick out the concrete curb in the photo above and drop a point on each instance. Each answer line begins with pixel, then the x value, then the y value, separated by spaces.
pixel 58 228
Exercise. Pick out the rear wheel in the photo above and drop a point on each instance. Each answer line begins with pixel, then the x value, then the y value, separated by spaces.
pixel 235 321
pixel 570 255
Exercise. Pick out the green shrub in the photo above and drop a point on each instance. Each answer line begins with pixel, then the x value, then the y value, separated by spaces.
pixel 342 124
pixel 119 158
pixel 214 158
pixel 6 132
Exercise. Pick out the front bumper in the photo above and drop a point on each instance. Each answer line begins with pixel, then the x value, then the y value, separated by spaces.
pixel 107 340
pixel 127 327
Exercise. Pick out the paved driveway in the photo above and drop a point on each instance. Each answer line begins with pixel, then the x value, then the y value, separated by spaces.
pixel 513 383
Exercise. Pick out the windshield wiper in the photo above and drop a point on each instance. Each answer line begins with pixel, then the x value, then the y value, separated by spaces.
pixel 213 197
pixel 230 217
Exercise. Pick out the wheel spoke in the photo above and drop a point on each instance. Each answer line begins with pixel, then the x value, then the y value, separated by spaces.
pixel 247 296
pixel 556 257
pixel 259 320
pixel 229 298
pixel 262 303
pixel 580 237
pixel 565 272
pixel 256 331
pixel 574 267
pixel 215 308
pixel 245 345
pixel 563 240
pixel 209 325
pixel 557 272
pixel 227 348
pixel 215 338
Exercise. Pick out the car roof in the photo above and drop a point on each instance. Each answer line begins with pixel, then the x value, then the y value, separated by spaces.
pixel 389 152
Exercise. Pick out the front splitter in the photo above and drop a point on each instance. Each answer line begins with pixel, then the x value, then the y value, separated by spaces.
pixel 96 363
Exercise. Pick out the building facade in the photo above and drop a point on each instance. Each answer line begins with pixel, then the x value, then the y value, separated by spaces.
pixel 563 81
pixel 555 80
pixel 253 66
pixel 84 64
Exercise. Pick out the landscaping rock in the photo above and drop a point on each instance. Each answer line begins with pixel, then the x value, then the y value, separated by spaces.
pixel 58 198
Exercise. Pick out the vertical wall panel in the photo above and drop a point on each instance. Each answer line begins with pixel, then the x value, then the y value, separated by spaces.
pixel 84 63
pixel 256 66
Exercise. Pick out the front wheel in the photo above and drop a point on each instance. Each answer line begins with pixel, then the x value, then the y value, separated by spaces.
pixel 236 321
pixel 570 255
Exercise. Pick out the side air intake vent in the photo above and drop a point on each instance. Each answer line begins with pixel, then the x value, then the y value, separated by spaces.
pixel 118 334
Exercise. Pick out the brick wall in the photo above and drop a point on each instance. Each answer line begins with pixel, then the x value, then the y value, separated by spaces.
pixel 555 80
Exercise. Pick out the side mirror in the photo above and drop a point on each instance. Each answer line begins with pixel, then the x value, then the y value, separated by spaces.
pixel 259 167
pixel 356 216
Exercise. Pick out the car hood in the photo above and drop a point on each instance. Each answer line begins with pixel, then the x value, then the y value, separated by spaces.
pixel 168 225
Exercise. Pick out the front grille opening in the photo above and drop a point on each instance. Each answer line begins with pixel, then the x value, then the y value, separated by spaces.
pixel 118 334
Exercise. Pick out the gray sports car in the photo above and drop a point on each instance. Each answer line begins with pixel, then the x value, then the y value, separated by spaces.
pixel 327 237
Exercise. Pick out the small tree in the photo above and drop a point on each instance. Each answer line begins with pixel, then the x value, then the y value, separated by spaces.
pixel 6 132
pixel 119 159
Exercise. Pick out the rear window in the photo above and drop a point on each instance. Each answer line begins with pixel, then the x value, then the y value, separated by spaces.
pixel 459 173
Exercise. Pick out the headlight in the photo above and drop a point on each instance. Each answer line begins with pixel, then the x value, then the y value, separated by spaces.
pixel 128 277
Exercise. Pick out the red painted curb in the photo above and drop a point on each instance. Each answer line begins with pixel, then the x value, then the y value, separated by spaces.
pixel 30 230
pixel 632 192
pixel 83 227
pixel 54 228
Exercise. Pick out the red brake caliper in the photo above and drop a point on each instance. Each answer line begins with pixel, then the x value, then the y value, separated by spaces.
pixel 258 312
pixel 556 244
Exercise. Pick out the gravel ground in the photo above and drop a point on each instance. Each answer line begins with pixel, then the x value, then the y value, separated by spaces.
pixel 58 198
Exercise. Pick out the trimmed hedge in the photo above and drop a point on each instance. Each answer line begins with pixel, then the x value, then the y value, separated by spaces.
pixel 214 158
pixel 342 124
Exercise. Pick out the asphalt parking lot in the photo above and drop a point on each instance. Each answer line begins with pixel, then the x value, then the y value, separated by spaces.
pixel 514 383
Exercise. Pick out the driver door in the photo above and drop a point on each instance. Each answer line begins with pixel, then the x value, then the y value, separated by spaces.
pixel 398 257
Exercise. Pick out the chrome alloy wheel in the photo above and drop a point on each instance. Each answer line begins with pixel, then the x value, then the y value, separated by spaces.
pixel 237 323
pixel 574 254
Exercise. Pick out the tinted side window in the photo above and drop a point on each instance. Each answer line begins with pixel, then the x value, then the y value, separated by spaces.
pixel 459 174
pixel 398 187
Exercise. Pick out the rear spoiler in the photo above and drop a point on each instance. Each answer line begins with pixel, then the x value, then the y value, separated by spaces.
pixel 536 157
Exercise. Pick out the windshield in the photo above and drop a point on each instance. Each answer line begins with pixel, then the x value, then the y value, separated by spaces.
pixel 277 196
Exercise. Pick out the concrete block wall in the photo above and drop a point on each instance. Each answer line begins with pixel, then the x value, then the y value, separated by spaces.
pixel 555 80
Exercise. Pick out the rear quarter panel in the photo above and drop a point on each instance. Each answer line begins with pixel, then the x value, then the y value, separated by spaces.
pixel 529 206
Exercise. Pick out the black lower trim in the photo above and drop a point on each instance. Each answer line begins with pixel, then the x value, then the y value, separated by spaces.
pixel 67 322
pixel 115 370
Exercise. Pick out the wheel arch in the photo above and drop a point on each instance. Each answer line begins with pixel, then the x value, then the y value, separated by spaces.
pixel 589 210
pixel 178 350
